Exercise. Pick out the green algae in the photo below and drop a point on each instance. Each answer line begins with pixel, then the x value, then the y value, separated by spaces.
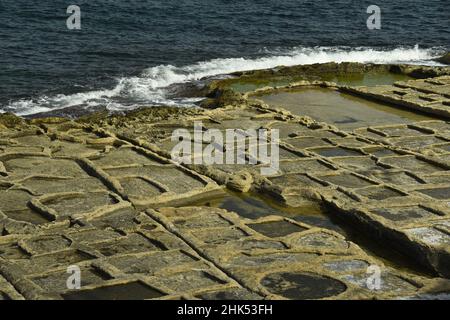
pixel 368 80
pixel 243 85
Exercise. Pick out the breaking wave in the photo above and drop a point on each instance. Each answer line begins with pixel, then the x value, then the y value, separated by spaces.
pixel 151 86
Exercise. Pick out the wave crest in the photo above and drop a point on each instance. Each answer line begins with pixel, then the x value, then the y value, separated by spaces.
pixel 150 87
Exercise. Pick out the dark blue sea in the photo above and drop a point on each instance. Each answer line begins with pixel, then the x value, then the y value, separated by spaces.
pixel 128 53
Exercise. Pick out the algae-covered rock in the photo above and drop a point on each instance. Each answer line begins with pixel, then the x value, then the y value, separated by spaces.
pixel 10 120
pixel 445 58
pixel 49 120
pixel 103 192
pixel 220 97
pixel 241 182
pixel 151 114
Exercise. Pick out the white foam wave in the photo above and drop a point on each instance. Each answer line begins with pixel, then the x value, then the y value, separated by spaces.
pixel 150 88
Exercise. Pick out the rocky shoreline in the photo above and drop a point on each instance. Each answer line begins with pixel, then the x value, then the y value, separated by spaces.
pixel 102 192
pixel 445 59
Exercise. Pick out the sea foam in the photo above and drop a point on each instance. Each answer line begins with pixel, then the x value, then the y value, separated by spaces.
pixel 150 87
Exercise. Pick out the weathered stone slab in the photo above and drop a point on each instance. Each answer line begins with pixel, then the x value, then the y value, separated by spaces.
pixel 308 258
pixel 74 194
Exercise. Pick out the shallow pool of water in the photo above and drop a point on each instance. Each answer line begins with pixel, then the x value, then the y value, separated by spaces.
pixel 254 206
pixel 343 110
pixel 368 79
pixel 243 85
pixel 128 291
